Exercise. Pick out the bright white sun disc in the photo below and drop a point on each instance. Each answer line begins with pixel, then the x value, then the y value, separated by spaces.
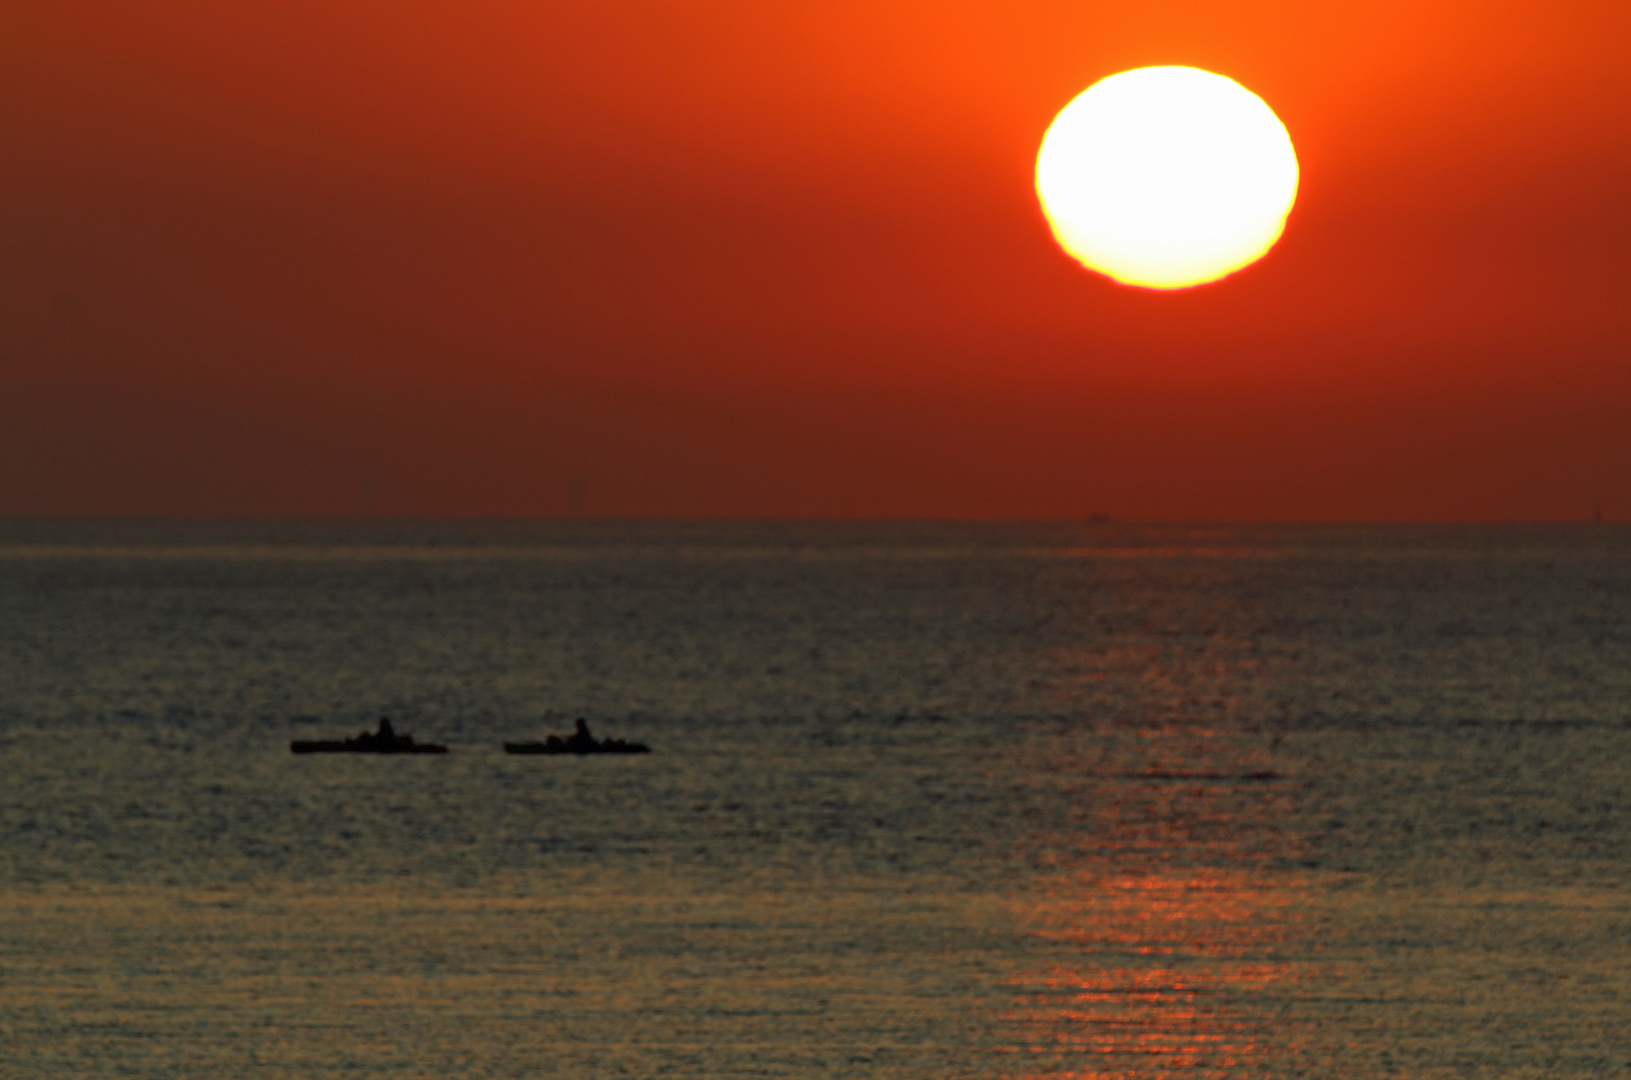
pixel 1166 177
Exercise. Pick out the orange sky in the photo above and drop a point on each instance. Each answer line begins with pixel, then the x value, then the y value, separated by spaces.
pixel 735 258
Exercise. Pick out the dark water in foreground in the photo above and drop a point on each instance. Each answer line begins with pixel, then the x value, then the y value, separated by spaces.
pixel 925 801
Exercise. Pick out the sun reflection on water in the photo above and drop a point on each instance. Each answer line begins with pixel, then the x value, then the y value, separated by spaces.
pixel 1172 942
pixel 1173 974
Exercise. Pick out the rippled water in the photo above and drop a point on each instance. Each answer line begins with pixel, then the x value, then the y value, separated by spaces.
pixel 925 801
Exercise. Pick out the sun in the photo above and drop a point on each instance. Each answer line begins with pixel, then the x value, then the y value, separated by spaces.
pixel 1166 177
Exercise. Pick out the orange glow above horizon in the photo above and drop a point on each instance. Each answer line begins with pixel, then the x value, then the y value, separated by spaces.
pixel 728 259
pixel 1166 177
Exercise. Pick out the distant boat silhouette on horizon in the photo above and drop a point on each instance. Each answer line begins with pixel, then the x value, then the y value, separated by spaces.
pixel 579 742
pixel 383 741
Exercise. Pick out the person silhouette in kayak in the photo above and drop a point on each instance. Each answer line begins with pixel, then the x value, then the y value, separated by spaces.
pixel 580 741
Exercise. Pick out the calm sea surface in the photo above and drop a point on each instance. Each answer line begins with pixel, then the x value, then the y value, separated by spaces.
pixel 924 801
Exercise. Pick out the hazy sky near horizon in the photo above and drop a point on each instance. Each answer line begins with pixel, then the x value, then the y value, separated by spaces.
pixel 732 258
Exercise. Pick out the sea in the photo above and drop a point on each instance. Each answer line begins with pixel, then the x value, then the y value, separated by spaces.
pixel 924 800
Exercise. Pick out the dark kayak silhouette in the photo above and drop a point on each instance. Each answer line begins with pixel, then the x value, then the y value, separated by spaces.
pixel 579 742
pixel 383 741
